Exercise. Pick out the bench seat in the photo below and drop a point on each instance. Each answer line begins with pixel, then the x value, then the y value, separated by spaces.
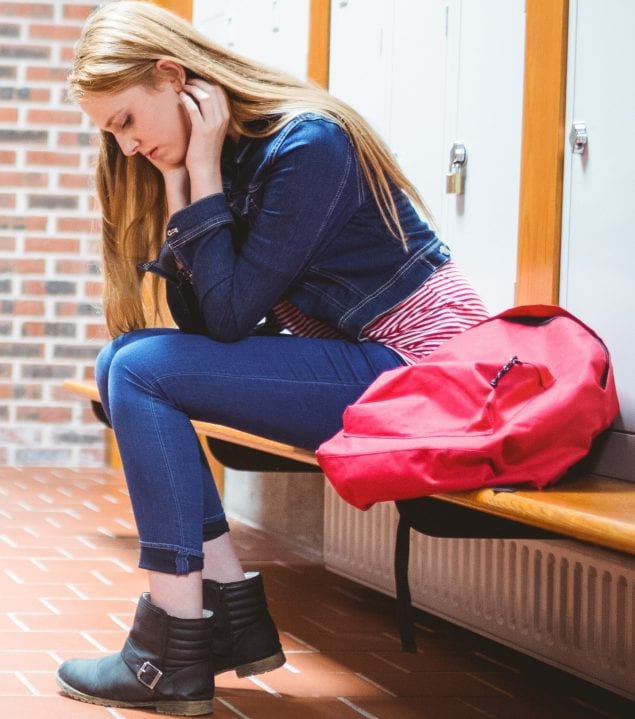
pixel 590 508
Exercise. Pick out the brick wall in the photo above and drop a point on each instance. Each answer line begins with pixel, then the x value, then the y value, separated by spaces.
pixel 51 324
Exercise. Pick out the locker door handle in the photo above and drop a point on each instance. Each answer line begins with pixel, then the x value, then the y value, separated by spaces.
pixel 578 138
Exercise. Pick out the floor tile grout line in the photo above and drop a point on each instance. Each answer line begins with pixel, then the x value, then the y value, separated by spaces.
pixel 389 663
pixel 357 709
pixel 477 678
pixel 264 686
pixel 21 625
pixel 373 683
pixel 232 708
pixel 27 684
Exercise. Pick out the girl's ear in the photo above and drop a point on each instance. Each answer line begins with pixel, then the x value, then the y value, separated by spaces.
pixel 171 71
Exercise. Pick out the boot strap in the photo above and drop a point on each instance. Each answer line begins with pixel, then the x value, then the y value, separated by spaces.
pixel 144 670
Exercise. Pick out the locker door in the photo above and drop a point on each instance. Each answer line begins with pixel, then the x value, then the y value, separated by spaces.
pixel 427 73
pixel 486 41
pixel 598 251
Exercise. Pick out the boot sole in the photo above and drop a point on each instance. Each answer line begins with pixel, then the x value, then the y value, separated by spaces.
pixel 170 707
pixel 261 666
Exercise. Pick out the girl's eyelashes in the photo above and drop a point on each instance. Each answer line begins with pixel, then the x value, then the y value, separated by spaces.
pixel 126 122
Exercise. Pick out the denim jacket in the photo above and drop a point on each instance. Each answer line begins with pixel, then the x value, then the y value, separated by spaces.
pixel 296 221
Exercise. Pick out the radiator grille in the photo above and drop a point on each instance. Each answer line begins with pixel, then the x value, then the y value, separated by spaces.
pixel 564 602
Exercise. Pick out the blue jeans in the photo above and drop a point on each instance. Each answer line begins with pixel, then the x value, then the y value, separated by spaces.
pixel 152 382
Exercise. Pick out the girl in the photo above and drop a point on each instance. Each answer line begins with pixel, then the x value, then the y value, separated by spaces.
pixel 297 271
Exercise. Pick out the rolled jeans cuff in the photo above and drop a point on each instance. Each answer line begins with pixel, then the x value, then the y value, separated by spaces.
pixel 169 561
pixel 214 529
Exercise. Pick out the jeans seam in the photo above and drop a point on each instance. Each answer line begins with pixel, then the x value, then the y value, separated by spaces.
pixel 260 377
pixel 168 464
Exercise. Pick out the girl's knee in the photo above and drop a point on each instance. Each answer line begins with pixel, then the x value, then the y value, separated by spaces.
pixel 125 347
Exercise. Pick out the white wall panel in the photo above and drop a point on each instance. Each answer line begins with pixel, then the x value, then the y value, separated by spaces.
pixel 276 32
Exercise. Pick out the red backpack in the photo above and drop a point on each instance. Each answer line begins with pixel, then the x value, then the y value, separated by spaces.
pixel 518 398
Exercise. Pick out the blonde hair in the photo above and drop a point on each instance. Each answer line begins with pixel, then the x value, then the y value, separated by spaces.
pixel 119 47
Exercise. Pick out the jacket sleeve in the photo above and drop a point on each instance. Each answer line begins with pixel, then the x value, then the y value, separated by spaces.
pixel 303 202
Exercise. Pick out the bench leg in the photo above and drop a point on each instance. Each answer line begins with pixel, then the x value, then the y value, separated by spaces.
pixel 404 601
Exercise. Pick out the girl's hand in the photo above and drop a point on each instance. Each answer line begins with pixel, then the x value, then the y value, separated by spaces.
pixel 208 110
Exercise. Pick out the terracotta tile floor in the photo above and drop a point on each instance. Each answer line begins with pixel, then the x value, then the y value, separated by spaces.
pixel 69 585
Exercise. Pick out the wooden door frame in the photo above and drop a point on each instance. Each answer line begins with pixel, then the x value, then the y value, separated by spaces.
pixel 543 140
pixel 319 42
pixel 180 7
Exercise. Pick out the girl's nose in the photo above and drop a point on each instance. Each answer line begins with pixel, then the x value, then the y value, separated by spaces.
pixel 129 146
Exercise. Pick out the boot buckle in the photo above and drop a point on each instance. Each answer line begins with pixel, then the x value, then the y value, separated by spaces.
pixel 149 675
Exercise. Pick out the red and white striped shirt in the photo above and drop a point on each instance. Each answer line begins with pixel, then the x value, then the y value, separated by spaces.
pixel 443 306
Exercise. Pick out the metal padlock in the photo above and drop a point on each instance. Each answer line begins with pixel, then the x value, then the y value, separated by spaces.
pixel 455 178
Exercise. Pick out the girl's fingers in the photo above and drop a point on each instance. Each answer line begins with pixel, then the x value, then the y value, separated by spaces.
pixel 209 96
pixel 197 92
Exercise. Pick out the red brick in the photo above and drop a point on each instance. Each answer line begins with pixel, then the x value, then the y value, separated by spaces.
pixel 55 32
pixel 46 74
pixel 93 289
pixel 61 159
pixel 75 224
pixel 67 54
pixel 8 114
pixel 78 139
pixel 23 179
pixel 52 244
pixel 54 117
pixel 39 94
pixel 22 267
pixel 87 415
pixel 48 329
pixel 75 267
pixel 96 332
pixel 7 244
pixel 78 12
pixel 89 373
pixel 68 309
pixel 20 391
pixel 44 414
pixel 7 201
pixel 28 307
pixel 34 287
pixel 18 222
pixel 7 157
pixel 74 182
pixel 41 10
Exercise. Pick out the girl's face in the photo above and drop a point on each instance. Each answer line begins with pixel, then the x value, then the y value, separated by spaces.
pixel 144 120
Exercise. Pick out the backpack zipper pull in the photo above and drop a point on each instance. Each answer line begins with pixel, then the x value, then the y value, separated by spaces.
pixel 504 370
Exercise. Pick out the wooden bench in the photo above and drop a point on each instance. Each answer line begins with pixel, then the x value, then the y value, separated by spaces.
pixel 590 508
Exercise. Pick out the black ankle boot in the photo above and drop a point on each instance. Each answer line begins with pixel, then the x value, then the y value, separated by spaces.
pixel 244 637
pixel 166 663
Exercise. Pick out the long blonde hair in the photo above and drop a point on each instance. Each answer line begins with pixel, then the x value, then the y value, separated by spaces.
pixel 120 44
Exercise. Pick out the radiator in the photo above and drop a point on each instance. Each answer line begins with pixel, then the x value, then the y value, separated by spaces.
pixel 566 603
